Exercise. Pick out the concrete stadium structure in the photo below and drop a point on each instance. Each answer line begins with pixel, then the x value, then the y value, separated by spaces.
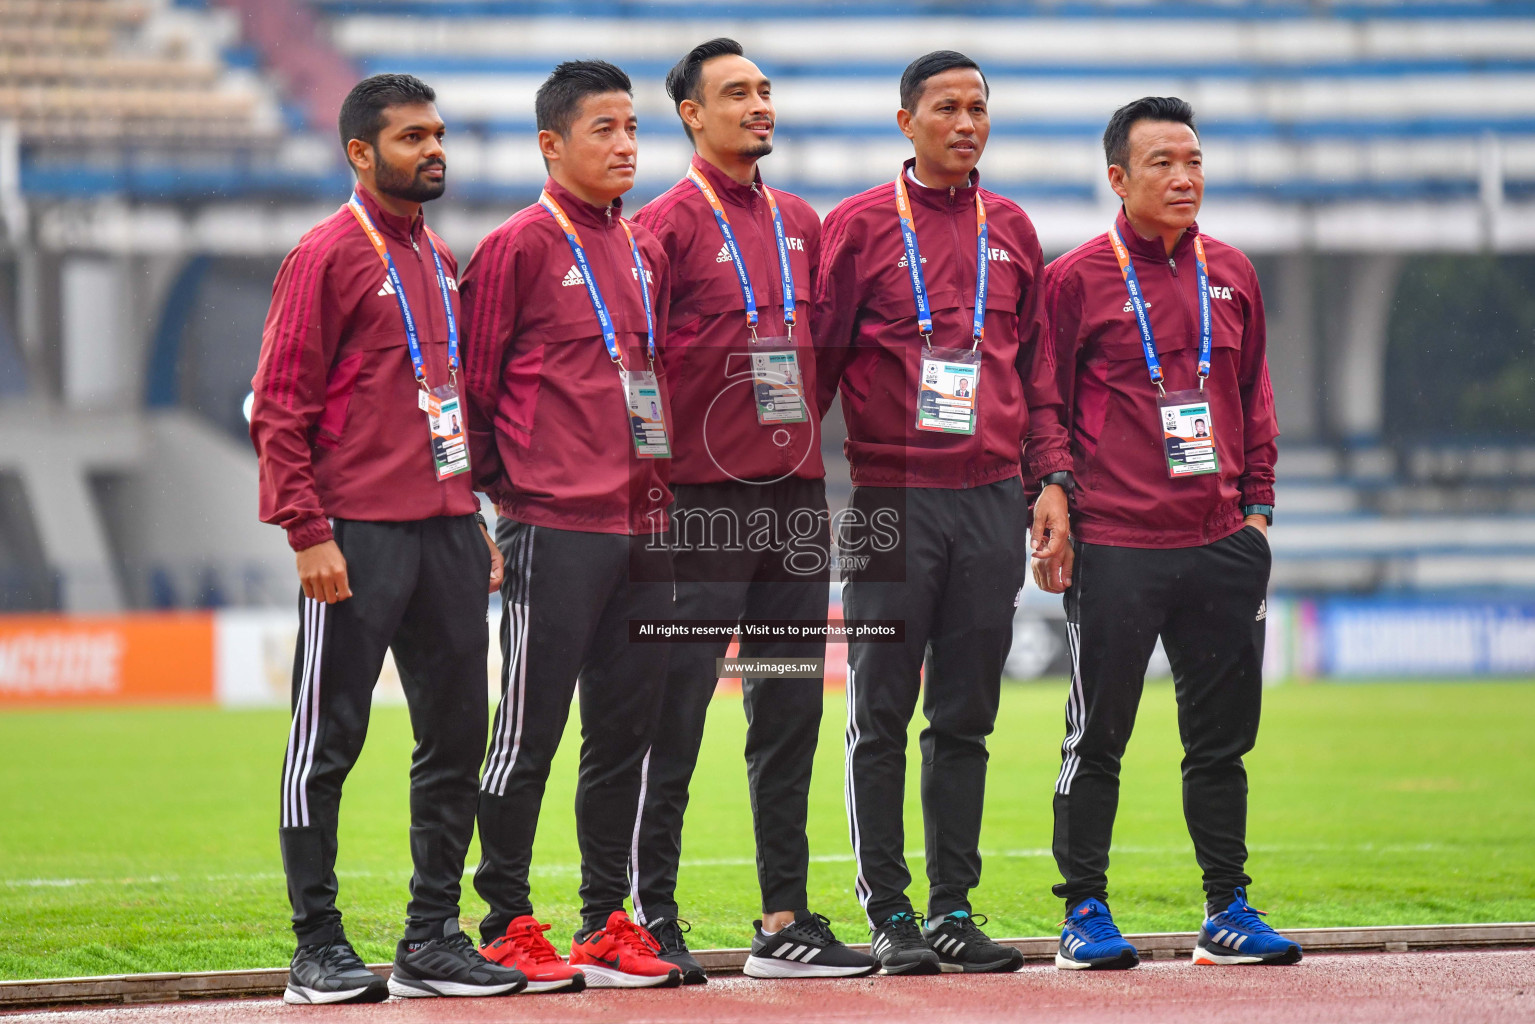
pixel 1342 139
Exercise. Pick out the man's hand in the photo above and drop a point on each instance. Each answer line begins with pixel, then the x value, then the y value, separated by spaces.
pixel 322 573
pixel 1052 552
pixel 497 564
pixel 1261 522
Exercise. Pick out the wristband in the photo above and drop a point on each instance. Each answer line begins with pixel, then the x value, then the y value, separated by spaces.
pixel 480 518
pixel 1266 511
pixel 1061 478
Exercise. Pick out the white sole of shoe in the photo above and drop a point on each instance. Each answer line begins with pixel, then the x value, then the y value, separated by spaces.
pixel 298 995
pixel 606 977
pixel 430 989
pixel 1206 958
pixel 773 967
pixel 1067 964
pixel 548 986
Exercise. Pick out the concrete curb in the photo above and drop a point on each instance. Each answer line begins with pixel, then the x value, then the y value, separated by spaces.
pixel 163 988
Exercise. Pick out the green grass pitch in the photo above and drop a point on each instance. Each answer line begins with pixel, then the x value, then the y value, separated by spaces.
pixel 145 840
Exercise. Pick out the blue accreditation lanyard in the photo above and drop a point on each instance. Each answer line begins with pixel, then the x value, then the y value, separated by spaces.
pixel 412 339
pixel 1143 319
pixel 604 320
pixel 784 270
pixel 914 261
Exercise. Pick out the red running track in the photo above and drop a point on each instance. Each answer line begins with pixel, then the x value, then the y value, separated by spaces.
pixel 1340 988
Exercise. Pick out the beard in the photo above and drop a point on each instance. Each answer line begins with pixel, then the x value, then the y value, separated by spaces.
pixel 757 149
pixel 412 187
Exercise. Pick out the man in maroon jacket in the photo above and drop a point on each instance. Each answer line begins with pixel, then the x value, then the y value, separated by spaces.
pixel 569 426
pixel 1158 350
pixel 361 337
pixel 741 364
pixel 928 317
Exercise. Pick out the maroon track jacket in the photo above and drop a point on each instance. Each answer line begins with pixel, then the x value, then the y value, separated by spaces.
pixel 335 422
pixel 868 343
pixel 548 422
pixel 718 437
pixel 1124 496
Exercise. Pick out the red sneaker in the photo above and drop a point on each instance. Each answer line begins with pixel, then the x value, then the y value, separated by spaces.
pixel 622 955
pixel 525 948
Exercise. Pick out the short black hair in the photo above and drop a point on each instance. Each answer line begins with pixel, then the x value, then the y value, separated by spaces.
pixel 936 63
pixel 559 98
pixel 1116 137
pixel 362 112
pixel 683 79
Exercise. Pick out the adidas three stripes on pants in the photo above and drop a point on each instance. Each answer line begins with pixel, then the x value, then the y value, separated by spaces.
pixel 568 598
pixel 1207 605
pixel 418 589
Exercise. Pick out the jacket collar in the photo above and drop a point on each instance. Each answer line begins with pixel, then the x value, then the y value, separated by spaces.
pixel 938 198
pixel 727 188
pixel 401 228
pixel 1151 248
pixel 580 212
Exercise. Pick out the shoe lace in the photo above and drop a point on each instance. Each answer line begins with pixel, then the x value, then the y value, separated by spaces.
pixel 635 939
pixel 668 934
pixel 817 927
pixel 906 928
pixel 462 945
pixel 530 943
pixel 1247 917
pixel 340 955
pixel 1097 926
pixel 968 923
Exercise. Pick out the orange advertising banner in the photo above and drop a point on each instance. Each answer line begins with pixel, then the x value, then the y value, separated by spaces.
pixel 119 659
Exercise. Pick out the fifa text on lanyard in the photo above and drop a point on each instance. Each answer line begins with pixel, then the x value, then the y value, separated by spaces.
pixel 1188 431
pixel 948 389
pixel 444 415
pixel 642 391
pixel 776 380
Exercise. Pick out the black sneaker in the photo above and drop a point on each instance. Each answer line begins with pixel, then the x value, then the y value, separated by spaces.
pixel 450 966
pixel 963 948
pixel 332 973
pixel 805 949
pixel 898 946
pixel 667 932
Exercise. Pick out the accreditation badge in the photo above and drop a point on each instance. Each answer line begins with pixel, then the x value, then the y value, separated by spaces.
pixel 1188 433
pixel 948 390
pixel 445 424
pixel 776 382
pixel 647 420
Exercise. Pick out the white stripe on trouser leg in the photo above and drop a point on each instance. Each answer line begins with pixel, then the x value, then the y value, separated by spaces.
pixel 634 842
pixel 299 707
pixel 302 786
pixel 850 794
pixel 298 730
pixel 509 737
pixel 1076 712
pixel 506 711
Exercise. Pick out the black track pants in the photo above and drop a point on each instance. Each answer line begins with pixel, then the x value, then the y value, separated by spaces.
pixel 954 580
pixel 418 589
pixel 1207 605
pixel 722 573
pixel 568 600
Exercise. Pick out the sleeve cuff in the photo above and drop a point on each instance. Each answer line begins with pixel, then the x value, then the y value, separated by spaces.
pixel 1257 495
pixel 309 532
pixel 1045 463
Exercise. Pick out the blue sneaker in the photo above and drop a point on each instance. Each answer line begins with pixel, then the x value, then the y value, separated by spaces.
pixel 1091 941
pixel 1237 936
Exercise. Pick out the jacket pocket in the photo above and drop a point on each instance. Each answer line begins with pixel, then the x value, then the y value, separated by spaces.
pixel 338 400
